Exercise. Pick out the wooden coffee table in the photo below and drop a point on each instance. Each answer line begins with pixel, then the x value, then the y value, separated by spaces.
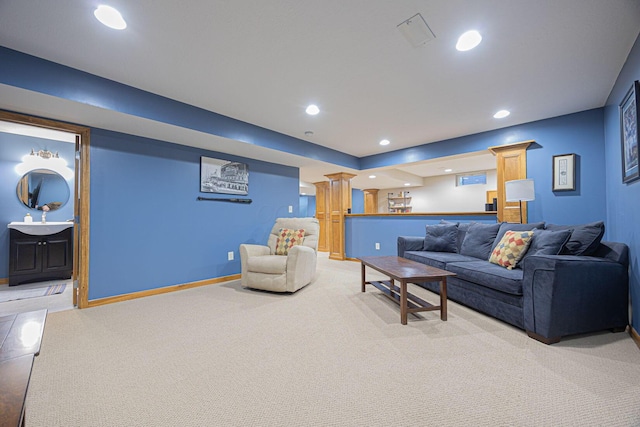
pixel 406 271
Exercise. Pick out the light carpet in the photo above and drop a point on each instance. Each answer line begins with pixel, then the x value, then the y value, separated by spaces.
pixel 14 293
pixel 327 355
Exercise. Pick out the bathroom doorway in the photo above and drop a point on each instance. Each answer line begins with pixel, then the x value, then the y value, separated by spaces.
pixel 77 207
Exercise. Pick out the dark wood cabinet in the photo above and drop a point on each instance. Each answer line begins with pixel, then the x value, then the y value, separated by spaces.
pixel 36 258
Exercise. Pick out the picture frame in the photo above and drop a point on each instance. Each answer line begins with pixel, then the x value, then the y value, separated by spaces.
pixel 564 172
pixel 629 133
pixel 223 176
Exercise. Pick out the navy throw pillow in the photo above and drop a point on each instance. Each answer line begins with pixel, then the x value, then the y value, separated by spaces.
pixel 507 226
pixel 441 238
pixel 584 239
pixel 479 240
pixel 546 242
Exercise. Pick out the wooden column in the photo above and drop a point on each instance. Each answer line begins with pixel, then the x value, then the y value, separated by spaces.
pixel 323 214
pixel 511 163
pixel 339 202
pixel 371 200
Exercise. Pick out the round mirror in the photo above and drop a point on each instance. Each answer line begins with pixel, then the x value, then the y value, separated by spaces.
pixel 43 187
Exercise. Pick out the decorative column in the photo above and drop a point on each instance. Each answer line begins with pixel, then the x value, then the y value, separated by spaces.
pixel 511 163
pixel 339 202
pixel 323 214
pixel 371 201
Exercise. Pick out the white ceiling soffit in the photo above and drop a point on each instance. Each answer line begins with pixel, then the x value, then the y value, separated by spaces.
pixel 349 58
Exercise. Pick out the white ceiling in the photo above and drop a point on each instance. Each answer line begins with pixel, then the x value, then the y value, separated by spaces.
pixel 263 62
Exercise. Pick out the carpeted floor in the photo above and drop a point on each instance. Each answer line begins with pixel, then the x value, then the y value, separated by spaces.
pixel 327 355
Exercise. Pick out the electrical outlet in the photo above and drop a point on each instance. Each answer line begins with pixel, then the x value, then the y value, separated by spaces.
pixel 230 256
pixel 290 209
pixel 377 246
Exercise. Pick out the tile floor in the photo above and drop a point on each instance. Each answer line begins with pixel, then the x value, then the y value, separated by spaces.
pixel 59 302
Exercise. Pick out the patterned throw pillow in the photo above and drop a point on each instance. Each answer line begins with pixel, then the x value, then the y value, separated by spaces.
pixel 287 239
pixel 511 249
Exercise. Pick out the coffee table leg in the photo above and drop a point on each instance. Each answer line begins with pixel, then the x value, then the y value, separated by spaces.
pixel 363 282
pixel 443 299
pixel 403 302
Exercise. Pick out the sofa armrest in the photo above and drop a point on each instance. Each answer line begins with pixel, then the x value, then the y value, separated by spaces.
pixel 409 243
pixel 566 294
pixel 301 266
pixel 247 251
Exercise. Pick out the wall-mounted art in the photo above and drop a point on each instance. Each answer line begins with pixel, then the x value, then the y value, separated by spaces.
pixel 564 172
pixel 223 176
pixel 629 137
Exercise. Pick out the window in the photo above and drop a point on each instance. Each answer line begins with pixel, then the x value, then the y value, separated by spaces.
pixel 471 178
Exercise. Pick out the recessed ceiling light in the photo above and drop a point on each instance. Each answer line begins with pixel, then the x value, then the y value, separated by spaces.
pixel 468 40
pixel 406 184
pixel 385 142
pixel 501 114
pixel 372 176
pixel 304 194
pixel 110 17
pixel 308 132
pixel 448 170
pixel 312 110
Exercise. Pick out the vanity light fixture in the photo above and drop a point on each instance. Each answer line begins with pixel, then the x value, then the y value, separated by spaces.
pixel 312 110
pixel 385 142
pixel 468 40
pixel 44 159
pixel 501 114
pixel 110 17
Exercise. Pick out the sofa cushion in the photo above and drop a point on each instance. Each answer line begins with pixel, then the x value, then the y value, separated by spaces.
pixel 441 238
pixel 584 238
pixel 478 240
pixel 436 259
pixel 287 239
pixel 269 264
pixel 506 226
pixel 511 248
pixel 483 273
pixel 546 242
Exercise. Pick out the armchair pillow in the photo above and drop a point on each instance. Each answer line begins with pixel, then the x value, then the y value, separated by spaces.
pixel 511 248
pixel 441 238
pixel 479 239
pixel 287 239
pixel 584 239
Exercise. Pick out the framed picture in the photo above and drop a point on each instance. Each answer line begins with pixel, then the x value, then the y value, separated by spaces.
pixel 629 130
pixel 564 172
pixel 223 176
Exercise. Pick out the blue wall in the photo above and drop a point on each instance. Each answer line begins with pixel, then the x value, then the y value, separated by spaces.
pixel 307 206
pixel 12 149
pixel 623 204
pixel 363 232
pixel 357 201
pixel 148 230
pixel 581 133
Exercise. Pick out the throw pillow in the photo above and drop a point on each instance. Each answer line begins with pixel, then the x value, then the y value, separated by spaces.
pixel 547 242
pixel 479 239
pixel 506 226
pixel 287 239
pixel 511 248
pixel 441 238
pixel 584 239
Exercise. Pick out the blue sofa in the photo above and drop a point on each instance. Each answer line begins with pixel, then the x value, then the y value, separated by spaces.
pixel 567 282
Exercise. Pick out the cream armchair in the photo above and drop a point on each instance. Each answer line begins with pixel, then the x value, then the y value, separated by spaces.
pixel 262 269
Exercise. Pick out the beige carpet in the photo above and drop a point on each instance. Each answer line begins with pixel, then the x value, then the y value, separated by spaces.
pixel 328 355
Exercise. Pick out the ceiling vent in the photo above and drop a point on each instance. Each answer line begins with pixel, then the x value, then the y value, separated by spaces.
pixel 416 31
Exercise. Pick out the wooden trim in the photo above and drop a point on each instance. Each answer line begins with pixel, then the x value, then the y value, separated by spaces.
pixel 80 269
pixel 522 145
pixel 4 281
pixel 482 213
pixel 352 259
pixel 163 290
pixel 634 335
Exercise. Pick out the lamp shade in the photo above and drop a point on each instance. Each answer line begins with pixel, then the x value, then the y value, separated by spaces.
pixel 519 190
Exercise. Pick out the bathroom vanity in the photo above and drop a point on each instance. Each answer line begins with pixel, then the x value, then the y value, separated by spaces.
pixel 40 251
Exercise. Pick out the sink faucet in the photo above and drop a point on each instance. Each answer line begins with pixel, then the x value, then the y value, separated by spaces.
pixel 44 217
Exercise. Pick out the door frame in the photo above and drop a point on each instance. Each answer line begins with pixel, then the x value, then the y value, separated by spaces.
pixel 81 198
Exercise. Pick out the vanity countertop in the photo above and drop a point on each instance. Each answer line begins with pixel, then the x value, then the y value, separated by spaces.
pixel 37 228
